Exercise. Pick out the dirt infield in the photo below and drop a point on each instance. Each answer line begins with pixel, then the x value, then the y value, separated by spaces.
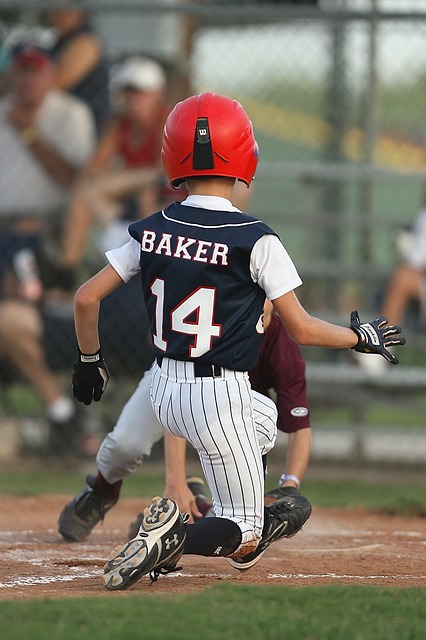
pixel 335 547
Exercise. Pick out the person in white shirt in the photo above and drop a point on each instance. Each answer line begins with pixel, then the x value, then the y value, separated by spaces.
pixel 407 282
pixel 46 137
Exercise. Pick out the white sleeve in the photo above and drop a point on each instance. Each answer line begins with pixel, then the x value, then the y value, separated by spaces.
pixel 126 259
pixel 416 255
pixel 272 268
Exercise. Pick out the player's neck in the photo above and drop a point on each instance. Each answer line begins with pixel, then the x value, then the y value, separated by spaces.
pixel 220 187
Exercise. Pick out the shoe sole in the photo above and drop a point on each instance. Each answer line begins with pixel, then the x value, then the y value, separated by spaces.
pixel 247 565
pixel 136 558
pixel 243 566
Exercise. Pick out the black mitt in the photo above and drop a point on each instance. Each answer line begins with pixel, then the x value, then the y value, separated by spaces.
pixel 376 336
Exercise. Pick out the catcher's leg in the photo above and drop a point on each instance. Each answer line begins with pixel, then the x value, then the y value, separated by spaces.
pixel 137 430
pixel 119 455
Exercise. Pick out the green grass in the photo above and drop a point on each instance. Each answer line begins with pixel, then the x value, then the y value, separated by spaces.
pixel 228 611
pixel 234 611
pixel 56 480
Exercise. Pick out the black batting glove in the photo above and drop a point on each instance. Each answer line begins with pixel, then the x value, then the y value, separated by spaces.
pixel 375 337
pixel 90 377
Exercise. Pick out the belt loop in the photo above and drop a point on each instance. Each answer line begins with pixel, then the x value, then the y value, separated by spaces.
pixel 216 371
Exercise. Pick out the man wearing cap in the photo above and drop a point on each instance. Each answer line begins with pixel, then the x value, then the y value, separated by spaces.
pixel 122 181
pixel 46 136
pixel 126 164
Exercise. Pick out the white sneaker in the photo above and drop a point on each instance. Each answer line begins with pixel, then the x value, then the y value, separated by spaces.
pixel 155 549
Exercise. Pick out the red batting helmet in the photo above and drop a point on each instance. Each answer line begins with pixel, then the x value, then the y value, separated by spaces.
pixel 209 135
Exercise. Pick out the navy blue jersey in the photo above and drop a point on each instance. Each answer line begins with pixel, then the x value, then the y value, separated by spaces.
pixel 201 300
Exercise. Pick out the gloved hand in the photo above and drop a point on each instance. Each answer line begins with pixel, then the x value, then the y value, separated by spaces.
pixel 375 337
pixel 90 377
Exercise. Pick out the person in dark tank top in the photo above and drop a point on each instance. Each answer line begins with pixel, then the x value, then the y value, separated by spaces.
pixel 81 59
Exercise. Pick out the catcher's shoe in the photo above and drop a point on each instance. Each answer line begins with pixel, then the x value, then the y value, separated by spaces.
pixel 279 492
pixel 156 548
pixel 79 516
pixel 283 519
pixel 134 527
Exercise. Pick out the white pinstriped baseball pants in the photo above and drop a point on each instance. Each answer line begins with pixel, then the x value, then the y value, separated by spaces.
pixel 230 426
pixel 123 449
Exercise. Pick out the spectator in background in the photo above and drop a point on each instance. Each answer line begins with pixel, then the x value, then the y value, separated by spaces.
pixel 82 65
pixel 407 282
pixel 46 136
pixel 404 297
pixel 125 168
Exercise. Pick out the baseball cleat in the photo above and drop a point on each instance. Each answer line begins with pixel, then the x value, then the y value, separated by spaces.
pixel 155 549
pixel 79 516
pixel 283 519
pixel 134 527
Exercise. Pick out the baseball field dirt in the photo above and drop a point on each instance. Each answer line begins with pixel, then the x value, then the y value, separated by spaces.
pixel 335 547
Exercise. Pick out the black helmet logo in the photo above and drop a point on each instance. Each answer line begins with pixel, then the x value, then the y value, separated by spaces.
pixel 203 153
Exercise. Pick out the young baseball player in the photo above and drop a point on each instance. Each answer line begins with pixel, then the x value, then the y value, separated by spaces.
pixel 280 367
pixel 206 269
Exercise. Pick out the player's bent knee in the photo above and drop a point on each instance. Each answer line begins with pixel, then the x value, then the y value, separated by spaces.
pixel 119 458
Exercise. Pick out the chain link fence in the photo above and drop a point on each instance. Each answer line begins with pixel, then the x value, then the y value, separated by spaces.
pixel 336 91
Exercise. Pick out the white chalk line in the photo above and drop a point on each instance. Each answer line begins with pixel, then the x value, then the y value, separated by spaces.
pixel 342 576
pixel 303 576
pixel 30 581
pixel 36 535
pixel 24 556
